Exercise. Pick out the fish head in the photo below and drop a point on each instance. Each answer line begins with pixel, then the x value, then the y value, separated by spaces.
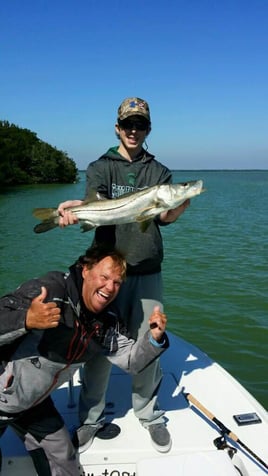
pixel 175 194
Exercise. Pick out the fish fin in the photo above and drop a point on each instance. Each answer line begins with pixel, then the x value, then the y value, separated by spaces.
pixel 143 214
pixel 46 225
pixel 45 213
pixel 144 225
pixel 94 196
pixel 87 226
pixel 100 196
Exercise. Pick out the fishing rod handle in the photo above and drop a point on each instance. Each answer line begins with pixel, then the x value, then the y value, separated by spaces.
pixel 199 405
pixel 210 415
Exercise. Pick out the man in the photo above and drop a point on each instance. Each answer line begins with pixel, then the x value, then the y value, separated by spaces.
pixel 124 169
pixel 51 325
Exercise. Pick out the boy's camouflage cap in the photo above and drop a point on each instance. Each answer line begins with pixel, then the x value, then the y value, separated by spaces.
pixel 134 107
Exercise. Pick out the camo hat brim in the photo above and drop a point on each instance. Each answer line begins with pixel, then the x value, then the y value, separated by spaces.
pixel 134 107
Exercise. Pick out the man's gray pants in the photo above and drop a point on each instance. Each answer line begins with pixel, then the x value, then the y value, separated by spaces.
pixel 47 440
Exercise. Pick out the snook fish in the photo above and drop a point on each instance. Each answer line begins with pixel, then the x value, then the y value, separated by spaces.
pixel 140 207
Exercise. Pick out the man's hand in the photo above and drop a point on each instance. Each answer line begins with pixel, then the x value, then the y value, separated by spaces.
pixel 171 215
pixel 157 322
pixel 67 217
pixel 42 315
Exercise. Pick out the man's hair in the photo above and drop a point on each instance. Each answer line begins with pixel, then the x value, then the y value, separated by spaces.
pixel 97 252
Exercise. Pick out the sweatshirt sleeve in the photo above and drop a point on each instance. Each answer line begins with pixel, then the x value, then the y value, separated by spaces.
pixel 97 178
pixel 133 356
pixel 12 319
pixel 13 310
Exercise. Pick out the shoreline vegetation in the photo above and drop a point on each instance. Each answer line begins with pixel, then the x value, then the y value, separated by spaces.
pixel 25 159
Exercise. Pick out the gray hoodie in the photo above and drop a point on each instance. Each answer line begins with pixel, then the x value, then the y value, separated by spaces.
pixel 112 176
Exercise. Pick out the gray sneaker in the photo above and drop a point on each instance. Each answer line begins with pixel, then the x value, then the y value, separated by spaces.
pixel 160 436
pixel 84 436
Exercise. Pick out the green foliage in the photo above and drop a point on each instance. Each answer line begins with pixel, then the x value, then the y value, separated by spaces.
pixel 25 159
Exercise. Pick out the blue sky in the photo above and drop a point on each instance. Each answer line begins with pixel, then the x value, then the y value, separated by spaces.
pixel 202 65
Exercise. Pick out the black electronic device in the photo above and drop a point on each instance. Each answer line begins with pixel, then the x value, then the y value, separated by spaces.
pixel 247 418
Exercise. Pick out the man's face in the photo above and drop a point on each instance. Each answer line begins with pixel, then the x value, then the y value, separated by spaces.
pixel 101 284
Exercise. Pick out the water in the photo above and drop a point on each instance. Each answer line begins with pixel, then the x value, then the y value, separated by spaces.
pixel 215 267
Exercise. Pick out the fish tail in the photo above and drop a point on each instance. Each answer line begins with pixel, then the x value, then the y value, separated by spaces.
pixel 49 217
pixel 46 225
pixel 45 213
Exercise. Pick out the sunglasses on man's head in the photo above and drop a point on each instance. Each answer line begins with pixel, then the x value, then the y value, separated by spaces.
pixel 136 125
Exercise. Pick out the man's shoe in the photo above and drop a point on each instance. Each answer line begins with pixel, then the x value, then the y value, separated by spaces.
pixel 160 436
pixel 84 436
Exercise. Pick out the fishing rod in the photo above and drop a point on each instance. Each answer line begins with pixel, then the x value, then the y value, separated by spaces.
pixel 224 429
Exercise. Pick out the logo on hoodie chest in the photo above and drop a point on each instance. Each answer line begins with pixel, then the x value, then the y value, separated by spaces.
pixel 119 190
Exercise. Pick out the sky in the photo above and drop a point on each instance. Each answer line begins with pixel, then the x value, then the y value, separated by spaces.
pixel 202 65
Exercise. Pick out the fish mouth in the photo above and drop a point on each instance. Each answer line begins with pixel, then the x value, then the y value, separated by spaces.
pixel 197 187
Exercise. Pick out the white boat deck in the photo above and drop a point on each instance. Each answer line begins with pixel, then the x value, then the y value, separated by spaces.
pixel 193 434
